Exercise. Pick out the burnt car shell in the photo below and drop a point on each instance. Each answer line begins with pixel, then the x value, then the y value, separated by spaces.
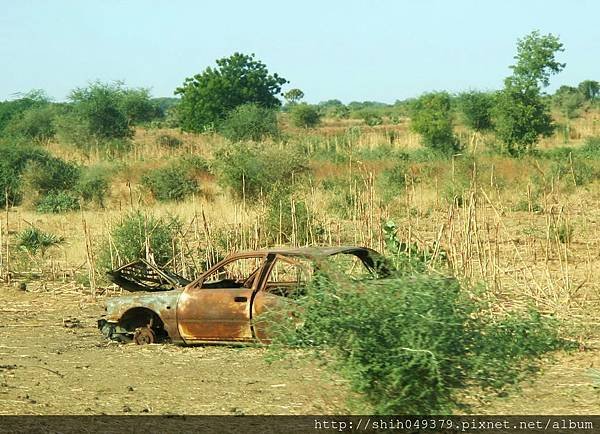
pixel 208 311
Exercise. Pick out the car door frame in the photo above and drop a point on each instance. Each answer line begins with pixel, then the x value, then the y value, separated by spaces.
pixel 196 285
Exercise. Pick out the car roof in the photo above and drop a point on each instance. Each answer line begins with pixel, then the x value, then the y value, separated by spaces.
pixel 315 252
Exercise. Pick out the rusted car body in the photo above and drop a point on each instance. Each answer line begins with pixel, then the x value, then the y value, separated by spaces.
pixel 223 304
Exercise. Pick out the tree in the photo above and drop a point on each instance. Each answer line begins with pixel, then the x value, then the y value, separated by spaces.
pixel 589 89
pixel 208 97
pixel 521 116
pixel 293 96
pixel 12 110
pixel 36 123
pixel 305 116
pixel 138 107
pixel 476 108
pixel 99 111
pixel 536 59
pixel 431 117
pixel 249 122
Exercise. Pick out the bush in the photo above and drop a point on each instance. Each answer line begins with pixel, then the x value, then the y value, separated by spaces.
pixel 370 117
pixel 44 172
pixel 175 181
pixel 169 141
pixel 93 184
pixel 251 171
pixel 476 108
pixel 135 235
pixel 431 117
pixel 36 124
pixel 50 174
pixel 410 344
pixel 57 202
pixel 590 149
pixel 305 116
pixel 34 240
pixel 249 122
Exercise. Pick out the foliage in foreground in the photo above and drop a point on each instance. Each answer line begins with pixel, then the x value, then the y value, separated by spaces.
pixel 140 235
pixel 409 344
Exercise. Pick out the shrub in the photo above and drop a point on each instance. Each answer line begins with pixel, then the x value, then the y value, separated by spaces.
pixel 305 116
pixel 249 122
pixel 590 149
pixel 371 117
pixel 288 218
pixel 476 108
pixel 50 174
pixel 136 235
pixel 172 182
pixel 410 344
pixel 93 184
pixel 169 141
pixel 251 171
pixel 57 202
pixel 34 240
pixel 36 124
pixel 44 172
pixel 393 180
pixel 431 117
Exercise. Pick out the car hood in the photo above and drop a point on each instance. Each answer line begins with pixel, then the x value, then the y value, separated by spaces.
pixel 145 276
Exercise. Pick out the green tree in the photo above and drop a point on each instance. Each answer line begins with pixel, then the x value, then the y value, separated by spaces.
pixel 208 97
pixel 14 109
pixel 249 122
pixel 476 108
pixel 95 116
pixel 138 107
pixel 36 123
pixel 589 89
pixel 431 117
pixel 293 96
pixel 521 116
pixel 536 60
pixel 305 115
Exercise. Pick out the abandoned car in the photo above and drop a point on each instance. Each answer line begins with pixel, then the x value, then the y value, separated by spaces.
pixel 221 306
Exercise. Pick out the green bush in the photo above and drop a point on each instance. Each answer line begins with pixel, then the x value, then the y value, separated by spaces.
pixel 136 234
pixel 36 124
pixel 249 122
pixel 175 181
pixel 93 184
pixel 431 117
pixel 169 141
pixel 305 116
pixel 44 172
pixel 590 149
pixel 250 170
pixel 34 240
pixel 411 344
pixel 393 180
pixel 371 117
pixel 57 202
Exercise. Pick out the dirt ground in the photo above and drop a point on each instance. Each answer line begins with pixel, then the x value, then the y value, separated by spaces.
pixel 53 360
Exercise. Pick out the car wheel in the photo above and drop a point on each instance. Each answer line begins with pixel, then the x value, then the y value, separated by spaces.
pixel 144 336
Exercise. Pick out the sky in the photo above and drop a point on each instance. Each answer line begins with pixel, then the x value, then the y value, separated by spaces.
pixel 377 50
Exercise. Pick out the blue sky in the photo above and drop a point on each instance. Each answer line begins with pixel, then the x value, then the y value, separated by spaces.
pixel 349 50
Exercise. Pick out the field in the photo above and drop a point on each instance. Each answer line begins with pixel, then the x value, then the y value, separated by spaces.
pixel 524 229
